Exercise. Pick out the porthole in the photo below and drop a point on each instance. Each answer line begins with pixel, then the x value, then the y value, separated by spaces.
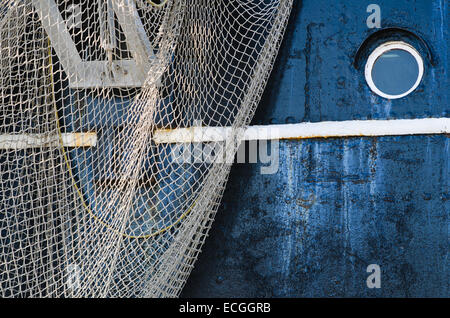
pixel 394 70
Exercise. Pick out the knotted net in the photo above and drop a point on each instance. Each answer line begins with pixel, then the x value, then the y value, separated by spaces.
pixel 92 202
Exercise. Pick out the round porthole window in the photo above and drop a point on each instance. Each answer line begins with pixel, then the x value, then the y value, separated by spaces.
pixel 394 69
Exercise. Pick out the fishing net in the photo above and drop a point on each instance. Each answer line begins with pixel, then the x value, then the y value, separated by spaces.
pixel 95 199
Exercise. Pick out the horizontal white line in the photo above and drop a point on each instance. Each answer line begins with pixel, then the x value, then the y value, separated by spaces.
pixel 369 128
pixel 27 141
pixel 326 129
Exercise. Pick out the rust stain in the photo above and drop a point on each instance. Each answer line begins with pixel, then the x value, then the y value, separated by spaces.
pixel 87 139
pixel 323 137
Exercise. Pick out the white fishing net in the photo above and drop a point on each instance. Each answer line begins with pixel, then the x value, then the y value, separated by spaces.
pixel 92 203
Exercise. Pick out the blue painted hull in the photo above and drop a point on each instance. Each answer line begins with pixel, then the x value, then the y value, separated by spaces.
pixel 337 205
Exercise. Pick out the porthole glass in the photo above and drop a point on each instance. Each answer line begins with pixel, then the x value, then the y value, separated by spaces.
pixel 394 69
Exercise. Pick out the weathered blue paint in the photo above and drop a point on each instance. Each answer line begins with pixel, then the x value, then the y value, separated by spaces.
pixel 337 205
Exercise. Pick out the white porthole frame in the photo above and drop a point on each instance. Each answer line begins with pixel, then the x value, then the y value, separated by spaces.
pixel 380 50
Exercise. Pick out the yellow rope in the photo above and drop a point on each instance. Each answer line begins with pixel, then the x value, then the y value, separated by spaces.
pixel 67 162
pixel 158 5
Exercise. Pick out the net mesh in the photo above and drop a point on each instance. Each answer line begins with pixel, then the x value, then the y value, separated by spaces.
pixel 92 204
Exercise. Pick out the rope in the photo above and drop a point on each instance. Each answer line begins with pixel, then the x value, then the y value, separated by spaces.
pixel 157 5
pixel 68 165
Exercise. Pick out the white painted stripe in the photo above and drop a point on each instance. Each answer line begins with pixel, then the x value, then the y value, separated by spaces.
pixel 326 129
pixel 26 141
